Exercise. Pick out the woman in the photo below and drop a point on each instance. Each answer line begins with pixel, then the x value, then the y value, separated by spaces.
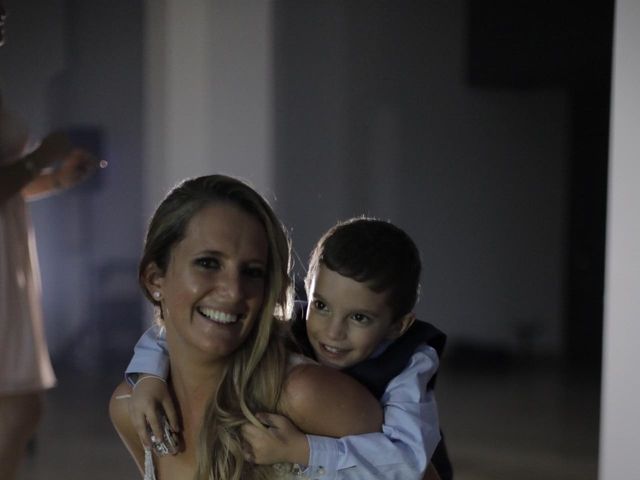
pixel 216 267
pixel 25 368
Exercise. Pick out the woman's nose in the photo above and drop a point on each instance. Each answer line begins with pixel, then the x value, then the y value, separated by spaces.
pixel 230 285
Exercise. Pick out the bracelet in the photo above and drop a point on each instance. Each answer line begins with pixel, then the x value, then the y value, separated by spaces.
pixel 148 376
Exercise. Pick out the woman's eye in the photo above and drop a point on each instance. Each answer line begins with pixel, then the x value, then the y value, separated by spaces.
pixel 208 262
pixel 255 272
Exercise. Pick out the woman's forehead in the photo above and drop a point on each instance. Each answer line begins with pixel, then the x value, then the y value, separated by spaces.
pixel 228 227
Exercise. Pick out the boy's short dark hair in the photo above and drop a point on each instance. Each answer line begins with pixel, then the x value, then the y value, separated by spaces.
pixel 374 252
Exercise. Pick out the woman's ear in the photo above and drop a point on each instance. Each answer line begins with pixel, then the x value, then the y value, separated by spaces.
pixel 400 326
pixel 153 278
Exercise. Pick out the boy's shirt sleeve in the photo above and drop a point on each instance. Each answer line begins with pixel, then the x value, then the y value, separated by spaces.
pixel 410 433
pixel 149 355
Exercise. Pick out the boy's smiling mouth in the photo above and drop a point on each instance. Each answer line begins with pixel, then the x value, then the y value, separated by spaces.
pixel 331 349
pixel 334 351
pixel 218 316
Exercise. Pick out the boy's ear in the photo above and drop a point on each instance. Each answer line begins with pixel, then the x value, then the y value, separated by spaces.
pixel 398 327
pixel 153 278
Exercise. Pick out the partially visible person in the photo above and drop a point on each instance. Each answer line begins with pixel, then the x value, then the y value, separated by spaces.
pixel 216 267
pixel 362 284
pixel 25 367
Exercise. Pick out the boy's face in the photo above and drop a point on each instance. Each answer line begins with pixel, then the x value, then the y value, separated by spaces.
pixel 346 320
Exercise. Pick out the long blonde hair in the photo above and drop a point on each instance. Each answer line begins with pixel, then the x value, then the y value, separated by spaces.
pixel 252 380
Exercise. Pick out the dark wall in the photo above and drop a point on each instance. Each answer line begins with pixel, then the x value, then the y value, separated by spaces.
pixel 77 66
pixel 537 44
pixel 398 110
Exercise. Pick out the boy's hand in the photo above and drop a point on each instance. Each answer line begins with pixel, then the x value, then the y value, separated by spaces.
pixel 151 396
pixel 280 442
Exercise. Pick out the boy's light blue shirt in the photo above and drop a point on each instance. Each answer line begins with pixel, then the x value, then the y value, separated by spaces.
pixel 402 450
pixel 409 437
pixel 149 355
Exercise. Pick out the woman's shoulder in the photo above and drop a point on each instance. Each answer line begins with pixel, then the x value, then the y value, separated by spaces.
pixel 296 359
pixel 325 401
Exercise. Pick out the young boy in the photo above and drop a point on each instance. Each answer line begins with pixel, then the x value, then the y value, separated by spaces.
pixel 362 285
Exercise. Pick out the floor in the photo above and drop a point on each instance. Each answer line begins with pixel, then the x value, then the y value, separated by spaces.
pixel 513 423
pixel 522 423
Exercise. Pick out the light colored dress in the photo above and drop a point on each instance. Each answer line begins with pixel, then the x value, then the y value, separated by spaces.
pixel 25 365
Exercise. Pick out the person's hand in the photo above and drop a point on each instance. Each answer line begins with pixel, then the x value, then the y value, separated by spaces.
pixel 54 147
pixel 76 166
pixel 280 441
pixel 150 396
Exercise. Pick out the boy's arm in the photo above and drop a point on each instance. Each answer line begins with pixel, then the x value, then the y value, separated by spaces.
pixel 149 356
pixel 150 396
pixel 409 435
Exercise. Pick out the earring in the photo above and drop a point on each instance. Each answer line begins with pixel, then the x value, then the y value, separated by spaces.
pixel 157 295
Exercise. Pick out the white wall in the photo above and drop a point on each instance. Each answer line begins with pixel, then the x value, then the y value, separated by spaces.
pixel 620 420
pixel 207 93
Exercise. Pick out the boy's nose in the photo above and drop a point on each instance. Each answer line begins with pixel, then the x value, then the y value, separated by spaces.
pixel 336 330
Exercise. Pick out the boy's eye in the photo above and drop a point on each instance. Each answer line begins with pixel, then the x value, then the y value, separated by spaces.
pixel 361 318
pixel 319 305
pixel 208 262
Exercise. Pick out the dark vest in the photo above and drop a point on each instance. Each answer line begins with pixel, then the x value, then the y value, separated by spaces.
pixel 376 373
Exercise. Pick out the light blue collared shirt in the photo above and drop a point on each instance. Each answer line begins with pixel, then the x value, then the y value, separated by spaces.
pixel 409 436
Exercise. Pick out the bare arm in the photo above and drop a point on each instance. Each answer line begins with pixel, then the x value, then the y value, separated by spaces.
pixel 16 176
pixel 76 165
pixel 30 174
pixel 119 414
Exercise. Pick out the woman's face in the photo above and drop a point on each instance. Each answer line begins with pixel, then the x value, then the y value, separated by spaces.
pixel 213 289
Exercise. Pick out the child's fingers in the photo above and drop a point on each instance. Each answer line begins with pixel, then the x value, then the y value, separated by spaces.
pixel 171 414
pixel 249 432
pixel 140 426
pixel 272 420
pixel 265 418
pixel 153 420
pixel 247 452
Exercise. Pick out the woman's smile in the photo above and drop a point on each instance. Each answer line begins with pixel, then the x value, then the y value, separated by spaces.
pixel 218 316
pixel 213 288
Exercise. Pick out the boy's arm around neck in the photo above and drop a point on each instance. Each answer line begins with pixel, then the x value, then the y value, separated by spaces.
pixel 149 356
pixel 410 432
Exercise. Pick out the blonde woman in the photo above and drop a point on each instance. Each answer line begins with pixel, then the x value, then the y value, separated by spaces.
pixel 216 267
